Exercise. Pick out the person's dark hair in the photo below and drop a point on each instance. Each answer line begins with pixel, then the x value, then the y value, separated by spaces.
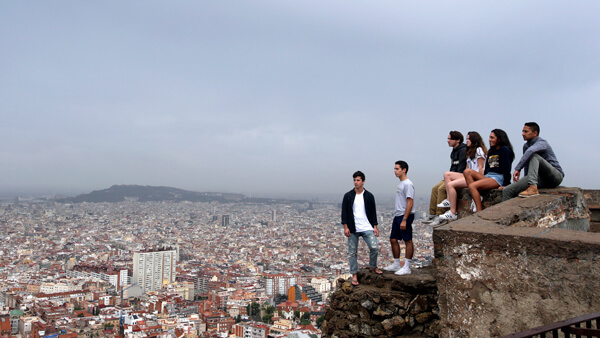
pixel 403 165
pixel 359 174
pixel 503 141
pixel 476 142
pixel 457 135
pixel 534 126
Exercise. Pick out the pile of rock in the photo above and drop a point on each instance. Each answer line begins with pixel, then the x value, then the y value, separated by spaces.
pixel 384 306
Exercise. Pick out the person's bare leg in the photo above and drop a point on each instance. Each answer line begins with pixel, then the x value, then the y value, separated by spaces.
pixel 483 184
pixel 410 249
pixel 453 194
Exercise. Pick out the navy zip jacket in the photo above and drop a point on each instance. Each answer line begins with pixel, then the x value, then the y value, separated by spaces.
pixel 458 158
pixel 348 214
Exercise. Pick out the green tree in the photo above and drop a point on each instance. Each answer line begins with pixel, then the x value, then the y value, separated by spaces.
pixel 305 316
pixel 253 309
pixel 304 322
pixel 270 309
pixel 296 314
pixel 320 320
pixel 267 319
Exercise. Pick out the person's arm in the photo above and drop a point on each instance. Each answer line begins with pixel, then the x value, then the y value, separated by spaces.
pixel 371 209
pixel 506 159
pixel 409 205
pixel 538 147
pixel 462 159
pixel 481 164
pixel 481 157
pixel 345 216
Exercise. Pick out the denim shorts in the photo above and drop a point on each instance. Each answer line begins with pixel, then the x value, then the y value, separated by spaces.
pixel 497 177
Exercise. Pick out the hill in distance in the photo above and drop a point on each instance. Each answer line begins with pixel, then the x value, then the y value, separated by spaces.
pixel 120 193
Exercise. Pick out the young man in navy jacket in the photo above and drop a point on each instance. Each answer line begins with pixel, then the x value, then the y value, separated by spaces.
pixel 359 218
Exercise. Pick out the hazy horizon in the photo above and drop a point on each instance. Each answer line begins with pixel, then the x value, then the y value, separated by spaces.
pixel 286 98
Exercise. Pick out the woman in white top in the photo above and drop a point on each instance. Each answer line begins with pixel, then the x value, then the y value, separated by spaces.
pixel 476 151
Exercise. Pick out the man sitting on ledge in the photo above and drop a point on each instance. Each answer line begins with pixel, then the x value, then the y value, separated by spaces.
pixel 540 163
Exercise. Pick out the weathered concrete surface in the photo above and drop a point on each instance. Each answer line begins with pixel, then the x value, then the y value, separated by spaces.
pixel 561 207
pixel 384 306
pixel 592 198
pixel 510 268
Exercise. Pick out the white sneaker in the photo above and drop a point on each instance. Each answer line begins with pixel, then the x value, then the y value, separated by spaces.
pixel 404 271
pixel 438 222
pixel 429 219
pixel 394 267
pixel 445 204
pixel 449 216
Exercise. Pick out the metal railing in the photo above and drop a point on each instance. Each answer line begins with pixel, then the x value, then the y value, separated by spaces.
pixel 583 326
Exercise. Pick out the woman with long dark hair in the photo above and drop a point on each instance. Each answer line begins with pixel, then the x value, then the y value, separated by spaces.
pixel 497 167
pixel 476 155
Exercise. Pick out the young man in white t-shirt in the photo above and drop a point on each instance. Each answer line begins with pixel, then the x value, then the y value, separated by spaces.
pixel 402 223
pixel 359 218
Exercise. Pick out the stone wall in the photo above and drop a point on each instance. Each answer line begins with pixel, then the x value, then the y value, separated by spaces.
pixel 384 306
pixel 517 265
pixel 592 198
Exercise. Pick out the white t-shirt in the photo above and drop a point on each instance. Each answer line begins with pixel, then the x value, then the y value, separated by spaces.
pixel 405 190
pixel 361 222
pixel 472 162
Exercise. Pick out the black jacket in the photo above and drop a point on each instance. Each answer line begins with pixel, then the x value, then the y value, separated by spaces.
pixel 458 158
pixel 348 214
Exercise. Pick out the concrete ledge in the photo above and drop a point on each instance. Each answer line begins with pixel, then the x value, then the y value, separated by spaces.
pixel 560 207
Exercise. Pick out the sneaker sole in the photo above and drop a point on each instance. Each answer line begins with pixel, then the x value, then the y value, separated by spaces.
pixel 403 274
pixel 525 196
pixel 442 222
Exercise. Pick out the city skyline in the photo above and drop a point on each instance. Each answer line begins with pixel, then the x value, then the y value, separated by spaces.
pixel 285 99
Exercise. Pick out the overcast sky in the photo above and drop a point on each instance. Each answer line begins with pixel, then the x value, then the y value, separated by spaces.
pixel 286 97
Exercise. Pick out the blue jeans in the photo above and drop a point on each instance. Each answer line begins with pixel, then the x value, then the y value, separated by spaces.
pixel 372 243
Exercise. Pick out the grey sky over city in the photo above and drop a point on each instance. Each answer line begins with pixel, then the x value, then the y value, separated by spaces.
pixel 286 97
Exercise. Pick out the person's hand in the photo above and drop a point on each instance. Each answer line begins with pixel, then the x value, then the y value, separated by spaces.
pixel 516 176
pixel 403 225
pixel 376 231
pixel 346 232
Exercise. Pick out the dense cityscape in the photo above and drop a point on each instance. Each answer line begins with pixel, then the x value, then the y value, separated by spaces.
pixel 175 269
